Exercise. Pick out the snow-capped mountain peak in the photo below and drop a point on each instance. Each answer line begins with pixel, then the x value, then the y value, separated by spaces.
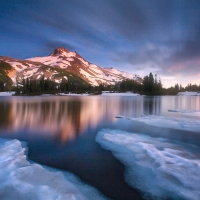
pixel 60 64
pixel 60 51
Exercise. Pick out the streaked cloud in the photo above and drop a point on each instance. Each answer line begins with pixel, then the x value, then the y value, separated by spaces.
pixel 134 35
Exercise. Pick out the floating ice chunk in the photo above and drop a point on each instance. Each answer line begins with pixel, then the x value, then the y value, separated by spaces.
pixel 20 179
pixel 183 111
pixel 119 116
pixel 158 167
pixel 166 122
pixel 187 112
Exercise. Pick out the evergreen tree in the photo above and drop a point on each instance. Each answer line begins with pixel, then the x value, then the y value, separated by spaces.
pixel 151 83
pixel 2 86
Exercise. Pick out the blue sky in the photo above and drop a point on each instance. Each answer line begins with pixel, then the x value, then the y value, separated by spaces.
pixel 138 36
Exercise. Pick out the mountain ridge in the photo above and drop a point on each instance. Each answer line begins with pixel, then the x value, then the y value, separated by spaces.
pixel 63 63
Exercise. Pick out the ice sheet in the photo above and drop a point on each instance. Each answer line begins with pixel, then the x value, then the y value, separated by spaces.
pixel 20 179
pixel 166 122
pixel 158 167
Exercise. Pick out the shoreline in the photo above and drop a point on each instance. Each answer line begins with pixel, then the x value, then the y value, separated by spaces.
pixel 104 93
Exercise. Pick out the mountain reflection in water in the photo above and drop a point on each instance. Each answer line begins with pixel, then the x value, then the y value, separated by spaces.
pixel 65 118
pixel 62 117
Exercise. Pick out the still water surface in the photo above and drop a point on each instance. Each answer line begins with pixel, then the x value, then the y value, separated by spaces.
pixel 61 131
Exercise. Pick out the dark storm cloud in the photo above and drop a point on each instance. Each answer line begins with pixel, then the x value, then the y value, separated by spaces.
pixel 131 33
pixel 190 48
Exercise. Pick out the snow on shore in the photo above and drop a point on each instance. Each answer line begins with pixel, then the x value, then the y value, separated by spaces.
pixel 159 167
pixel 119 94
pixel 188 93
pixel 104 93
pixel 6 93
pixel 21 179
pixel 73 94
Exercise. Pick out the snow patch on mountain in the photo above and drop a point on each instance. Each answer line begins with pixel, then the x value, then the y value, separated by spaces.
pixel 30 72
pixel 83 61
pixel 121 73
pixel 18 66
pixel 89 77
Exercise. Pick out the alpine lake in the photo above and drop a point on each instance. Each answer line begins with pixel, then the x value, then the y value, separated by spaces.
pixel 61 132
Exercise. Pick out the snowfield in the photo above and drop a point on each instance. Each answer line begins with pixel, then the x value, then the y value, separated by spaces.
pixel 18 66
pixel 52 61
pixel 121 73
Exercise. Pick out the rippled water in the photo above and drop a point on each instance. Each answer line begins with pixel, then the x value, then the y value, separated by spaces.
pixel 60 132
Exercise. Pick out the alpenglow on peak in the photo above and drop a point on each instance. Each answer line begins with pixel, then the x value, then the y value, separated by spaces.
pixel 59 51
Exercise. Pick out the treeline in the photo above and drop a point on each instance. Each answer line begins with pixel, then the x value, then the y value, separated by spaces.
pixel 30 86
pixel 5 81
pixel 33 87
pixel 178 88
pixel 151 85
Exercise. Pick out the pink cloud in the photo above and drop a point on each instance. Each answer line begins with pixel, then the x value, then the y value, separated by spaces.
pixel 177 67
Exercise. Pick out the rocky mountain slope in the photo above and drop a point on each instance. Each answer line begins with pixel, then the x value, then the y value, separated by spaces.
pixel 63 64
